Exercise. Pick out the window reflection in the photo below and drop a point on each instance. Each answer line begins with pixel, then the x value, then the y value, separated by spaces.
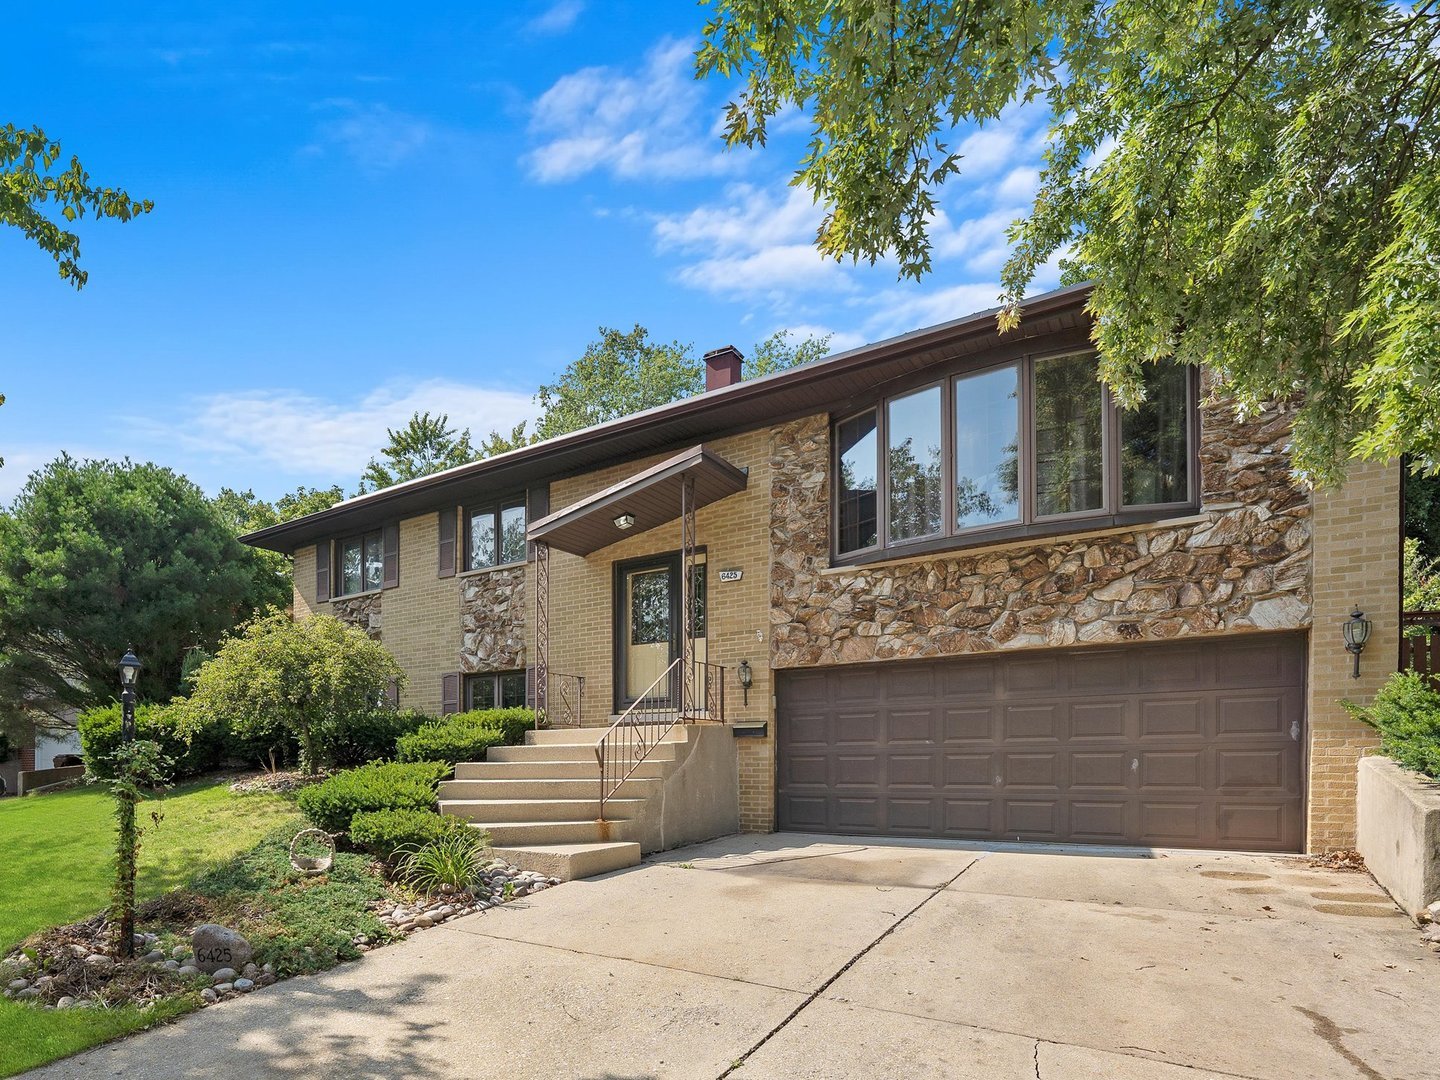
pixel 987 447
pixel 1154 439
pixel 913 464
pixel 859 509
pixel 1069 439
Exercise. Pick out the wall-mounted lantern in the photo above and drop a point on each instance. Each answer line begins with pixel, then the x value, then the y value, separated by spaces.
pixel 747 679
pixel 1356 631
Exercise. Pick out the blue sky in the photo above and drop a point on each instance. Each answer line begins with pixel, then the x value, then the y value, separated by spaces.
pixel 368 209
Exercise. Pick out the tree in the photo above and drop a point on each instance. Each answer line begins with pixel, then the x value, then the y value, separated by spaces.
pixel 1250 187
pixel 1422 513
pixel 280 678
pixel 96 555
pixel 245 512
pixel 625 372
pixel 423 446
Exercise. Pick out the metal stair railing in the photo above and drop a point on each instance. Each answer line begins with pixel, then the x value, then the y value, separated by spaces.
pixel 638 730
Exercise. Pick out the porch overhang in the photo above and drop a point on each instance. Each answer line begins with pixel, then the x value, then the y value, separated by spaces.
pixel 651 497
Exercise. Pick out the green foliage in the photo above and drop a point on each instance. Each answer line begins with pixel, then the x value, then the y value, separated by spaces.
pixel 1250 187
pixel 190 753
pixel 279 679
pixel 5 748
pixel 372 736
pixel 244 512
pixel 29 180
pixel 131 770
pixel 333 803
pixel 1406 712
pixel 1420 580
pixel 111 554
pixel 384 832
pixel 777 353
pixel 194 660
pixel 454 860
pixel 1422 512
pixel 423 446
pixel 466 736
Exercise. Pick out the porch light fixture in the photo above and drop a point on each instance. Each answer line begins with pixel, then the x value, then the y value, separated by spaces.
pixel 1356 631
pixel 625 521
pixel 747 679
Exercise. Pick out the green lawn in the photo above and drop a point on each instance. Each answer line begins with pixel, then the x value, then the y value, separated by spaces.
pixel 55 868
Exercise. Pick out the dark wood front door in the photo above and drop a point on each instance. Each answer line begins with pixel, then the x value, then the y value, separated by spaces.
pixel 1184 744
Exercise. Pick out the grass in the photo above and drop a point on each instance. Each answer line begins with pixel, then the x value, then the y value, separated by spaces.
pixel 55 868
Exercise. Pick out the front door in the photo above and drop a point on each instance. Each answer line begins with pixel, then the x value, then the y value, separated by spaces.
pixel 647 627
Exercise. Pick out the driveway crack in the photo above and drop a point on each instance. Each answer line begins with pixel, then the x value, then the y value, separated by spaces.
pixel 810 998
pixel 1037 1059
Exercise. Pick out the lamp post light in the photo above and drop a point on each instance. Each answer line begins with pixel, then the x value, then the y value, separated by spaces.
pixel 1356 632
pixel 129 676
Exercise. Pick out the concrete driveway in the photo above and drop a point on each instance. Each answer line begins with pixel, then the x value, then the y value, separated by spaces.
pixel 793 956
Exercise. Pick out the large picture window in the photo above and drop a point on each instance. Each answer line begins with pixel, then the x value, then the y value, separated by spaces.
pixel 1021 448
pixel 495 534
pixel 360 563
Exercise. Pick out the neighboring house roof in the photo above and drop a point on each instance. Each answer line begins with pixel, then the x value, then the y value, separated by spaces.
pixel 828 385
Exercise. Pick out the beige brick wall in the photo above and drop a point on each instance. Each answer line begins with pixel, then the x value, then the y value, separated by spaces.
pixel 735 534
pixel 1357 564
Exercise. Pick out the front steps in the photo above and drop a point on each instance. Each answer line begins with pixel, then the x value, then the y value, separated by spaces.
pixel 540 802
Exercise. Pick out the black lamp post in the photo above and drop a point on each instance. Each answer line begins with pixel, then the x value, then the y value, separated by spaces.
pixel 1356 631
pixel 129 676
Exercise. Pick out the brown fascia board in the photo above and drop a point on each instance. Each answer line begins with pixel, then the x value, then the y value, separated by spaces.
pixel 743 406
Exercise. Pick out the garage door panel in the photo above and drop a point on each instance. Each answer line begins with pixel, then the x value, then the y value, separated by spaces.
pixel 1190 743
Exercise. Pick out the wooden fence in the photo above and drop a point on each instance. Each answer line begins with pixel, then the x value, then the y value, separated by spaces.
pixel 1420 643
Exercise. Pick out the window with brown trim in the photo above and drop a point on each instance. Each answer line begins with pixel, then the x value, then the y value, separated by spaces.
pixel 497 690
pixel 1031 446
pixel 495 533
pixel 359 563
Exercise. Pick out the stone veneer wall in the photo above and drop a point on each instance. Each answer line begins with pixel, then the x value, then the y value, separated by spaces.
pixel 361 612
pixel 1242 563
pixel 493 620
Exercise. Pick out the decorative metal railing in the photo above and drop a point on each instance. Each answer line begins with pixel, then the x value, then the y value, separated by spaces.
pixel 644 725
pixel 1420 643
pixel 566 707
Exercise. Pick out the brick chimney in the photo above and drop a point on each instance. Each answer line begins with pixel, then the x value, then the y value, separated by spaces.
pixel 722 367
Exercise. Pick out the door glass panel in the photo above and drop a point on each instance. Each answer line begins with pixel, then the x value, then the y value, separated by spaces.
pixel 913 464
pixel 350 568
pixel 987 445
pixel 1069 442
pixel 855 440
pixel 647 629
pixel 512 534
pixel 1154 441
pixel 374 561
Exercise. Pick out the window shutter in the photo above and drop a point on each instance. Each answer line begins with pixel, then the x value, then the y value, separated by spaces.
pixel 537 506
pixel 447 543
pixel 391 545
pixel 449 693
pixel 322 571
pixel 530 687
pixel 392 693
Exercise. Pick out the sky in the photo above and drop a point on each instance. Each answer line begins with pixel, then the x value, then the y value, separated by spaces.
pixel 365 210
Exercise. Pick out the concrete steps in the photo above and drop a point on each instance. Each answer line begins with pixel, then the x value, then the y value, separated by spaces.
pixel 540 802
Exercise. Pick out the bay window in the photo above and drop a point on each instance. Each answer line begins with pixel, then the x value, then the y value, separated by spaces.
pixel 1021 448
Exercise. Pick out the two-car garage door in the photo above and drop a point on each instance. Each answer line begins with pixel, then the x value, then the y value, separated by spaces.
pixel 1172 745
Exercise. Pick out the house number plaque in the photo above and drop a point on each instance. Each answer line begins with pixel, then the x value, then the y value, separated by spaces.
pixel 731 575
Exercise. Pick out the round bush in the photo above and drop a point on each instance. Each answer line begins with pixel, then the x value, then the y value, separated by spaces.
pixel 332 804
pixel 201 752
pixel 384 832
pixel 450 742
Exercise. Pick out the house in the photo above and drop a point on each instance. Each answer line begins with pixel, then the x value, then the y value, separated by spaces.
pixel 48 746
pixel 971 597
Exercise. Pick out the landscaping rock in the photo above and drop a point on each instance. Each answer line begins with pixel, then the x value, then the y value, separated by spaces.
pixel 209 996
pixel 222 988
pixel 171 965
pixel 154 956
pixel 244 985
pixel 28 994
pixel 65 1002
pixel 100 962
pixel 224 975
pixel 249 971
pixel 1431 933
pixel 219 947
pixel 181 952
pixel 18 984
pixel 187 970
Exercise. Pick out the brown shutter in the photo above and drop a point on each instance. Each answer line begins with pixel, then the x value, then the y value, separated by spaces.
pixel 322 571
pixel 450 693
pixel 391 543
pixel 537 506
pixel 392 693
pixel 447 543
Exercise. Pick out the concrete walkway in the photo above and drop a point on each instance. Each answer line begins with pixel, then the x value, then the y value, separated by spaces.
pixel 792 956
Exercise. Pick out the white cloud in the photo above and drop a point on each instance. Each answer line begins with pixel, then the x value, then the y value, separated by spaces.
pixel 376 137
pixel 643 126
pixel 902 308
pixel 557 18
pixel 303 435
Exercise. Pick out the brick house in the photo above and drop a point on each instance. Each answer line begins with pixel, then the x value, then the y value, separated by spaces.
pixel 975 599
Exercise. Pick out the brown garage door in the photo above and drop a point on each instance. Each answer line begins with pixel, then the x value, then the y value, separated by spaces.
pixel 1171 745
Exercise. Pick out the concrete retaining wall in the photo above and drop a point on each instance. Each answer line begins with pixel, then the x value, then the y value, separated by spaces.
pixel 700 799
pixel 1399 831
pixel 35 779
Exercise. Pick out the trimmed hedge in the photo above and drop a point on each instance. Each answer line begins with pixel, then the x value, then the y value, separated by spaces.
pixel 384 832
pixel 100 738
pixel 332 804
pixel 450 743
pixel 512 722
pixel 371 736
pixel 1406 712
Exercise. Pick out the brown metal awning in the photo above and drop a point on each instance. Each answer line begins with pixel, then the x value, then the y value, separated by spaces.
pixel 651 496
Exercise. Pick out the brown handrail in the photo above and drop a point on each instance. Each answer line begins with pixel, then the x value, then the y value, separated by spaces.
pixel 566 701
pixel 628 741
